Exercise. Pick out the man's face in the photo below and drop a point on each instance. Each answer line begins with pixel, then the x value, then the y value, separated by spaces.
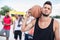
pixel 29 13
pixel 16 16
pixel 7 14
pixel 46 9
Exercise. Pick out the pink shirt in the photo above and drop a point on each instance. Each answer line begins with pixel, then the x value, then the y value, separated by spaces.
pixel 7 20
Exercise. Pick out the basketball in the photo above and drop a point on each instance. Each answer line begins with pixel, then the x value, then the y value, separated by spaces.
pixel 36 11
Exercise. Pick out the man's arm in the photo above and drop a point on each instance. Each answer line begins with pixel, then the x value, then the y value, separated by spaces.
pixel 13 26
pixel 26 26
pixel 59 33
pixel 56 24
pixel 11 21
pixel 3 22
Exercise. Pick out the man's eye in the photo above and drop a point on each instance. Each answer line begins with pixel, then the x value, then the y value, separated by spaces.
pixel 48 8
pixel 44 7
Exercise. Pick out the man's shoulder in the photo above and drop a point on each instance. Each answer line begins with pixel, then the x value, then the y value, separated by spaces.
pixel 56 23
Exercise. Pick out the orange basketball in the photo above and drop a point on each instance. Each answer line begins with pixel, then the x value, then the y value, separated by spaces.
pixel 36 11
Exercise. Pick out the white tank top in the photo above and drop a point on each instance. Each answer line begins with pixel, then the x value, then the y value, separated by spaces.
pixel 16 25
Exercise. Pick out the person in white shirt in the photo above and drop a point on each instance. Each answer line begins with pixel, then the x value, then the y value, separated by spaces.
pixel 17 27
pixel 29 36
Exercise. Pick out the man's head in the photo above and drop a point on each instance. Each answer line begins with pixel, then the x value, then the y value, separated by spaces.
pixel 29 12
pixel 16 16
pixel 47 8
pixel 7 13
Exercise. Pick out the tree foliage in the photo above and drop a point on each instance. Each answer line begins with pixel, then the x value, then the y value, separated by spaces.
pixel 4 9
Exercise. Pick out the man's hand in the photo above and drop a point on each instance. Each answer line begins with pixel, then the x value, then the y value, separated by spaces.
pixel 27 15
pixel 7 24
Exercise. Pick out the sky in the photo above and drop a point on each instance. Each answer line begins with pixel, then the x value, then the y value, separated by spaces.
pixel 24 5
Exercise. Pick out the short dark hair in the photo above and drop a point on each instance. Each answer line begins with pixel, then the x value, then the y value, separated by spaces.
pixel 22 15
pixel 48 2
pixel 7 11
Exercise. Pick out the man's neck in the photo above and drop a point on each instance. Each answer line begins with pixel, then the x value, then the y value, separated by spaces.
pixel 44 19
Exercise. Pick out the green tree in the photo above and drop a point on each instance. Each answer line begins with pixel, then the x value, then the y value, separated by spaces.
pixel 57 16
pixel 4 9
pixel 2 12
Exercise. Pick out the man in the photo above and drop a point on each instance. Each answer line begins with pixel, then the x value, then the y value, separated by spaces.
pixel 7 23
pixel 46 28
pixel 29 33
pixel 17 27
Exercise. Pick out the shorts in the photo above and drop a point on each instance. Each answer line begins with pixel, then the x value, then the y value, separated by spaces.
pixel 17 33
pixel 28 37
pixel 7 32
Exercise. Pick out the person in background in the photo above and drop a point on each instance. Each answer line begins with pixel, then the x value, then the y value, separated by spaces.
pixel 29 33
pixel 17 27
pixel 7 22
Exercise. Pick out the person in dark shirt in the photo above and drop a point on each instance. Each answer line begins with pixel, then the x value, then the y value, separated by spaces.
pixel 46 28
